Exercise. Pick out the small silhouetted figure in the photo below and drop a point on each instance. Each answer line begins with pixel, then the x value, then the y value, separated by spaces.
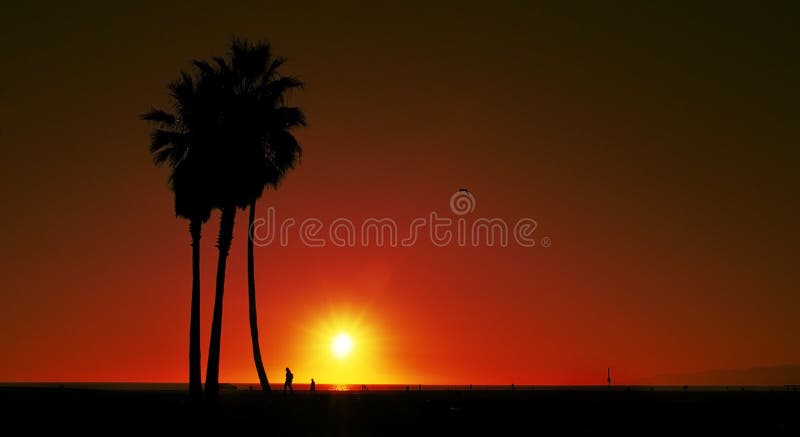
pixel 470 387
pixel 609 378
pixel 313 385
pixel 288 383
pixel 408 388
pixel 512 387
pixel 420 387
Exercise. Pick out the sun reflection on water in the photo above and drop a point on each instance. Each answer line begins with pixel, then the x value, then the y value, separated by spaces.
pixel 339 387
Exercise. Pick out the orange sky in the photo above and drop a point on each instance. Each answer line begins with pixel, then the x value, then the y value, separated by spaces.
pixel 656 147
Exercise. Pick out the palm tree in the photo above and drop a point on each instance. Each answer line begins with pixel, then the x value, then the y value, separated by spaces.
pixel 275 152
pixel 237 78
pixel 179 141
pixel 258 151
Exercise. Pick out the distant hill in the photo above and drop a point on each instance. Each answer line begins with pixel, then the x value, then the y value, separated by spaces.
pixel 777 375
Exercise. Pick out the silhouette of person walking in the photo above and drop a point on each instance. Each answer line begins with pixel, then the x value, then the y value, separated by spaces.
pixel 313 387
pixel 288 383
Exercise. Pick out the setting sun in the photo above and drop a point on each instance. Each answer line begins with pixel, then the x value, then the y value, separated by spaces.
pixel 346 346
pixel 342 345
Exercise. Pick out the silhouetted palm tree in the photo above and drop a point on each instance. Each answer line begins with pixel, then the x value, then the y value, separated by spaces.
pixel 275 152
pixel 181 140
pixel 259 150
pixel 284 152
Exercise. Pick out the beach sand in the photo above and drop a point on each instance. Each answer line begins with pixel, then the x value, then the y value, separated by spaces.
pixel 375 413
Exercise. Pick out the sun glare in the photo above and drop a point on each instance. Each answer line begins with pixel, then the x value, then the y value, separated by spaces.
pixel 344 347
pixel 341 345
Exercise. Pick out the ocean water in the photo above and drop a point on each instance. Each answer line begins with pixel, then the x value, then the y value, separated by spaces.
pixel 389 387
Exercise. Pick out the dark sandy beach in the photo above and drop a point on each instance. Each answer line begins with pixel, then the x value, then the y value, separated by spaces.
pixel 552 412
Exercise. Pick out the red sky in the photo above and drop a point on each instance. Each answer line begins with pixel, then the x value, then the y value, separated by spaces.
pixel 655 146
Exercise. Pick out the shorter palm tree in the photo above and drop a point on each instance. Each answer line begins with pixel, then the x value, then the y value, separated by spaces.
pixel 177 140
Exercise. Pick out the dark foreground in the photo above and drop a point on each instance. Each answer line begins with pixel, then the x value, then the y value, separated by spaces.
pixel 413 413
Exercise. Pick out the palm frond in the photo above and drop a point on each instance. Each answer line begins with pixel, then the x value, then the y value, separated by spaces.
pixel 222 65
pixel 282 85
pixel 182 90
pixel 204 67
pixel 284 151
pixel 167 146
pixel 273 67
pixel 158 116
pixel 163 155
pixel 248 59
pixel 287 117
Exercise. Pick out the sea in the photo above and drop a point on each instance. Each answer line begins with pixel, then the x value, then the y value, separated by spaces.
pixel 144 386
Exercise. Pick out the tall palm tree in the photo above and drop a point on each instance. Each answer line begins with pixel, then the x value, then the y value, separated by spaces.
pixel 258 151
pixel 275 151
pixel 237 77
pixel 178 140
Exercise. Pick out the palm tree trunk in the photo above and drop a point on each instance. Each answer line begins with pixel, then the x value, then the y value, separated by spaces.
pixel 195 379
pixel 223 245
pixel 251 294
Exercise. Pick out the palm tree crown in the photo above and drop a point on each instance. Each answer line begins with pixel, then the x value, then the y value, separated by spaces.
pixel 185 139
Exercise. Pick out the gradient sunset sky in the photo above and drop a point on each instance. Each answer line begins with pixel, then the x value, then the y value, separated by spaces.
pixel 656 146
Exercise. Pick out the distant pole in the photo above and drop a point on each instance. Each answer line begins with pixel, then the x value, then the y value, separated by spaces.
pixel 608 373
